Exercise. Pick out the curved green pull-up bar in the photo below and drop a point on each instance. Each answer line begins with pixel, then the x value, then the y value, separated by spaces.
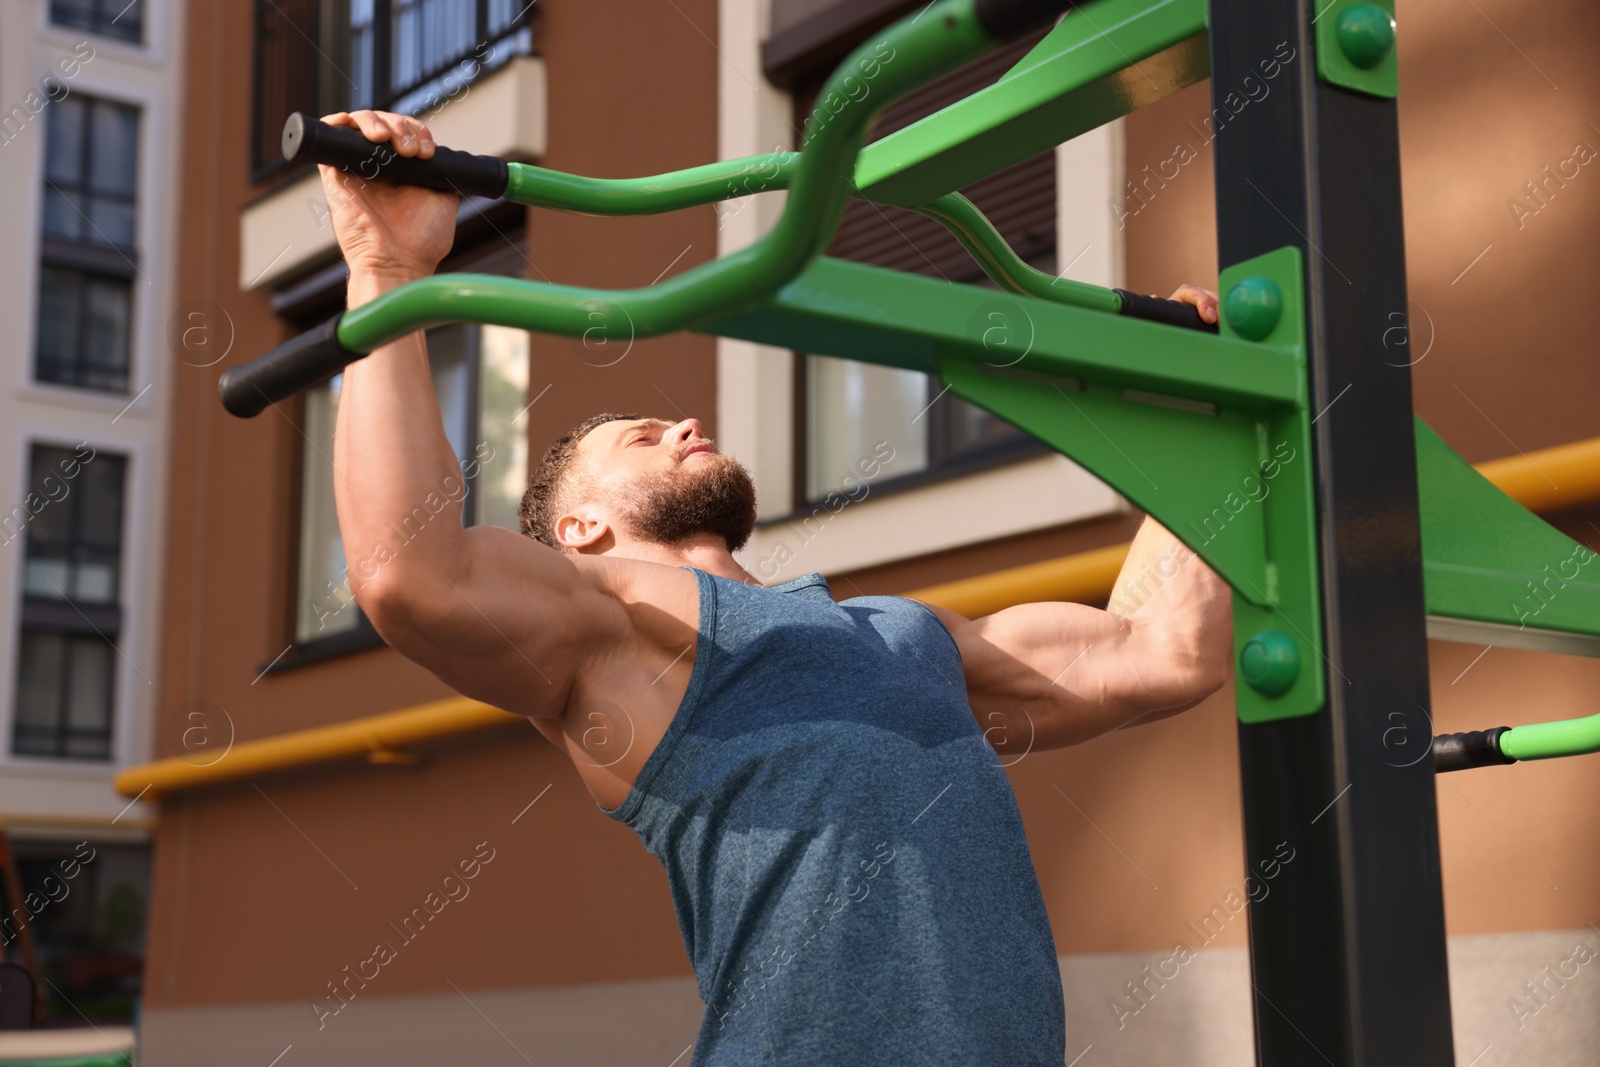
pixel 696 186
pixel 819 179
pixel 909 53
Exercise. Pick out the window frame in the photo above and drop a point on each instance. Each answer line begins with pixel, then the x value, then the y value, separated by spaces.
pixel 943 462
pixel 99 22
pixel 69 618
pixel 90 260
pixel 85 188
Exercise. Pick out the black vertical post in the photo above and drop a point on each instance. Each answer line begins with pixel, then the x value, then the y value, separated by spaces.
pixel 382 53
pixel 1348 950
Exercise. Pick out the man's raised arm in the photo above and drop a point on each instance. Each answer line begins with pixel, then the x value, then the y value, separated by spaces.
pixel 1052 674
pixel 495 615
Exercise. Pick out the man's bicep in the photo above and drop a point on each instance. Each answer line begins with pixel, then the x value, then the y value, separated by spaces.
pixel 512 626
pixel 1044 675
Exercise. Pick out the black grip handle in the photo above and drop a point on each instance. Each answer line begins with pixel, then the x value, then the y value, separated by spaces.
pixel 1006 20
pixel 307 139
pixel 297 364
pixel 1476 748
pixel 1171 312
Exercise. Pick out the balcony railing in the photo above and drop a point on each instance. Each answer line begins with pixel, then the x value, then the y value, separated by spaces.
pixel 410 56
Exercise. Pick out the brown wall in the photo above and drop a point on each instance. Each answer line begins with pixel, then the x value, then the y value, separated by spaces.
pixel 1505 365
pixel 265 891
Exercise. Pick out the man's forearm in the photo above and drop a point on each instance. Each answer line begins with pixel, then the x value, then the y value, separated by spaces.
pixel 1178 606
pixel 397 483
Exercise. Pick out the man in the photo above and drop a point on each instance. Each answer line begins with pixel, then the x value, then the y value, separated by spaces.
pixel 822 781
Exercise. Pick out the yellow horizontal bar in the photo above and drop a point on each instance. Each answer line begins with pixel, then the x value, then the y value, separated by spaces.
pixel 1086 577
pixel 1550 479
pixel 1547 480
pixel 376 737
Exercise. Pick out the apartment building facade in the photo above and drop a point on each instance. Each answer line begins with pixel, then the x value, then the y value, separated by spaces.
pixel 286 914
pixel 92 97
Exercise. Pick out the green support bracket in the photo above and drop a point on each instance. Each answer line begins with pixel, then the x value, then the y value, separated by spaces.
pixel 1356 46
pixel 1492 570
pixel 1210 434
pixel 1280 661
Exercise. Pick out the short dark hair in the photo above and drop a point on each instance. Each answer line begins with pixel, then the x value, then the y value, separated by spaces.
pixel 541 501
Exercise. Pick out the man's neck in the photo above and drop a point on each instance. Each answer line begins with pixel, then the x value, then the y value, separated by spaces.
pixel 709 553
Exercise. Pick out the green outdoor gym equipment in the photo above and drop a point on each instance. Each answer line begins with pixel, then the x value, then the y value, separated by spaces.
pixel 1212 431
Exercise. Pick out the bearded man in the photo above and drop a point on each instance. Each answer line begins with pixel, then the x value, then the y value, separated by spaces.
pixel 821 780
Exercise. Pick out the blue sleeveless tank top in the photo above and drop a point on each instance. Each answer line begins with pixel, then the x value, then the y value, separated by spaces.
pixel 843 847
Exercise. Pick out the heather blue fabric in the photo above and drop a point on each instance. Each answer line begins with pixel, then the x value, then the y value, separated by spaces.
pixel 843 847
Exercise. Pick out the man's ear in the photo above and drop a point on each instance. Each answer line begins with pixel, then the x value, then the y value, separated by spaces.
pixel 581 528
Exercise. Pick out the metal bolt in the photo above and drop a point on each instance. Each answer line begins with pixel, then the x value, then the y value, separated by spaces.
pixel 1253 307
pixel 1366 34
pixel 1270 662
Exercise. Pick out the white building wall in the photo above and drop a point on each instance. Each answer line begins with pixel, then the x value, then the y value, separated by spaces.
pixel 58 795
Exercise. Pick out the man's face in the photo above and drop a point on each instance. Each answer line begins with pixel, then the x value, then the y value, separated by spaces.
pixel 668 482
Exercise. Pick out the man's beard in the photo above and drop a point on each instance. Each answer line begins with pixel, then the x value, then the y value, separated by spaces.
pixel 714 494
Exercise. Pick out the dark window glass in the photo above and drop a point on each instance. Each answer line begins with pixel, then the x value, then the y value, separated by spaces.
pixel 122 19
pixel 91 159
pixel 71 617
pixel 408 56
pixel 88 259
pixel 855 411
pixel 82 333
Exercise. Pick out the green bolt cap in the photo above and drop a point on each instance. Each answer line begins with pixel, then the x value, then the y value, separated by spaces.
pixel 1270 662
pixel 1253 307
pixel 1366 34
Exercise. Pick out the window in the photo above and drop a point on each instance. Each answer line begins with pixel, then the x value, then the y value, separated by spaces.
pixel 71 612
pixel 849 407
pixel 91 155
pixel 409 56
pixel 122 19
pixel 480 376
pixel 89 906
pixel 88 227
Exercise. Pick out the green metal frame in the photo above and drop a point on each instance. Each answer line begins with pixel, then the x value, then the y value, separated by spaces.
pixel 1106 59
pixel 1180 422
pixel 697 186
pixel 1187 425
pixel 1548 740
pixel 1496 569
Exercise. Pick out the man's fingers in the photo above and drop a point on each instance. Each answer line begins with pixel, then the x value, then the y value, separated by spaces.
pixel 372 124
pixel 407 136
pixel 1203 299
